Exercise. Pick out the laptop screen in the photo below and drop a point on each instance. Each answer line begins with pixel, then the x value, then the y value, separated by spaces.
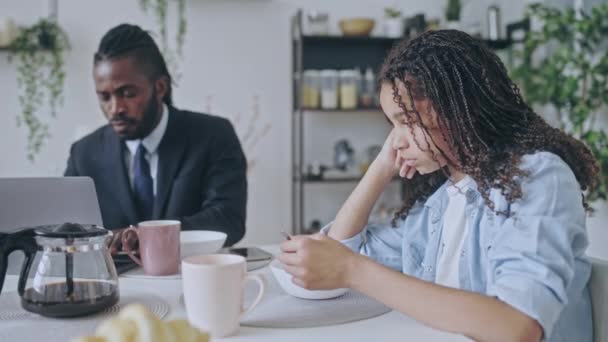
pixel 28 202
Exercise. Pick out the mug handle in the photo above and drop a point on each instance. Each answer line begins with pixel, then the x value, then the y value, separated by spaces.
pixel 127 247
pixel 260 280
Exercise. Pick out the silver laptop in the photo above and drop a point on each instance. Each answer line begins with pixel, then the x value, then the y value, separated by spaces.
pixel 28 202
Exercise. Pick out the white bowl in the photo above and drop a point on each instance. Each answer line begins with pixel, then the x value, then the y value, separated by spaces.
pixel 198 242
pixel 284 279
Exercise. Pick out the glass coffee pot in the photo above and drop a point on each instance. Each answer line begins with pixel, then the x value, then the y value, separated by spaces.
pixel 67 270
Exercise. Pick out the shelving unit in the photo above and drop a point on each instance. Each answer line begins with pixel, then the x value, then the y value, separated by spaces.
pixel 325 52
pixel 334 52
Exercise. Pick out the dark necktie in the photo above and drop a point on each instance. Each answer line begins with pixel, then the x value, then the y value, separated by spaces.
pixel 143 185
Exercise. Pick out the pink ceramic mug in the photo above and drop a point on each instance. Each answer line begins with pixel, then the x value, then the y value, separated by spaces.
pixel 158 246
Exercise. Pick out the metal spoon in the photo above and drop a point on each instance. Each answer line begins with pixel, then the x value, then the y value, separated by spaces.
pixel 286 236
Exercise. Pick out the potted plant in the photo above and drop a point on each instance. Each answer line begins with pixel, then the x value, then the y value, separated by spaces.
pixel 39 50
pixel 564 66
pixel 452 14
pixel 8 31
pixel 161 8
pixel 393 22
pixel 572 78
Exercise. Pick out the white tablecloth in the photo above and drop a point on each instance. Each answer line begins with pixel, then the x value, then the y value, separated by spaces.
pixel 388 327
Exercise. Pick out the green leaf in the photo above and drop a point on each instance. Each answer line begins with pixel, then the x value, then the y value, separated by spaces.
pixel 554 68
pixel 39 51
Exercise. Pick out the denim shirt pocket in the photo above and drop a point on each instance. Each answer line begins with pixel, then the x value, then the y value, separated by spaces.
pixel 492 221
pixel 413 255
pixel 488 231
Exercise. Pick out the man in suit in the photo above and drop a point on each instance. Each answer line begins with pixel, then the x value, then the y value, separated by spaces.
pixel 152 160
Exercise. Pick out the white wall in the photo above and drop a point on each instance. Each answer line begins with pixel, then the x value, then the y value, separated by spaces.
pixel 235 50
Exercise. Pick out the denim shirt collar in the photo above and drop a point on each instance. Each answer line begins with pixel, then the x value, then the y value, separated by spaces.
pixel 438 197
pixel 437 202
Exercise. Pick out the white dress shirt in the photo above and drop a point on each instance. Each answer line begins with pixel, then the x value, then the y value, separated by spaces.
pixel 453 234
pixel 151 142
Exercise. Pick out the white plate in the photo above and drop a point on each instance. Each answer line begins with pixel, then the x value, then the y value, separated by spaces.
pixel 139 273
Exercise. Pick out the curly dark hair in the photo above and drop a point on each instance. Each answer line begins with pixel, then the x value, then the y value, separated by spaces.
pixel 481 114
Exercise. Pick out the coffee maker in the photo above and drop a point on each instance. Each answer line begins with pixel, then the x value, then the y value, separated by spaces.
pixel 67 270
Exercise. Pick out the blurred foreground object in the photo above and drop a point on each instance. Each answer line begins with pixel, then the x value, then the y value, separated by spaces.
pixel 135 323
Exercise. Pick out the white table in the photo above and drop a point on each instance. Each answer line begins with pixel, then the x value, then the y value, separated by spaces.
pixel 392 326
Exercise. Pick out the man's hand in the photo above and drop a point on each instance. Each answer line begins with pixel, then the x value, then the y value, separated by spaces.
pixel 318 262
pixel 116 243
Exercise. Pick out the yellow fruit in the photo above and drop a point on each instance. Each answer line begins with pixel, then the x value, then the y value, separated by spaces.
pixel 90 339
pixel 186 332
pixel 117 330
pixel 135 323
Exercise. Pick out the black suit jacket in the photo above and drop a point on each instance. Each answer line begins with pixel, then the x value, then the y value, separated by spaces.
pixel 201 176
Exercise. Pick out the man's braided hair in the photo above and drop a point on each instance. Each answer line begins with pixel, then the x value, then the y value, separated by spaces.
pixel 126 40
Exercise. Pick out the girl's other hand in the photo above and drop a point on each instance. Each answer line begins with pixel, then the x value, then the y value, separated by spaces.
pixel 317 262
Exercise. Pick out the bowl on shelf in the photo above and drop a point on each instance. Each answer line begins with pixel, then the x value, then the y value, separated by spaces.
pixel 284 280
pixel 198 242
pixel 357 26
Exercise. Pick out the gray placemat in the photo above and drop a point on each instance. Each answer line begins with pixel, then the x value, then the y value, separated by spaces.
pixel 281 310
pixel 17 323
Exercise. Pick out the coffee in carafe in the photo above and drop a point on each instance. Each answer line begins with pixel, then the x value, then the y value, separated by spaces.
pixel 87 297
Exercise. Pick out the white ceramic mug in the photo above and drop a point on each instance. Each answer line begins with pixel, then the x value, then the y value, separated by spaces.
pixel 214 287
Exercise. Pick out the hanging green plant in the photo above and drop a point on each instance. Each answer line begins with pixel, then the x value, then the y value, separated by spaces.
pixel 161 8
pixel 452 11
pixel 39 50
pixel 573 77
pixel 392 12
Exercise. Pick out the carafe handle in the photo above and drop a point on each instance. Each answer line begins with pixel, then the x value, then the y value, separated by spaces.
pixel 25 269
pixel 3 258
pixel 22 240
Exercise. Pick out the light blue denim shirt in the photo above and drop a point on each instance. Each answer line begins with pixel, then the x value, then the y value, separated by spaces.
pixel 534 260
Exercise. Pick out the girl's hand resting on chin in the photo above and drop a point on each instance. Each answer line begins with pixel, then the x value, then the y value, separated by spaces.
pixel 390 161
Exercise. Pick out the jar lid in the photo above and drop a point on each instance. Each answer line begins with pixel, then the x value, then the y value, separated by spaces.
pixel 317 16
pixel 70 230
pixel 348 73
pixel 311 73
pixel 329 73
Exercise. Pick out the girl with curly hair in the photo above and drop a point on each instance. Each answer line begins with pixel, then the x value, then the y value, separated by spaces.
pixel 490 242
